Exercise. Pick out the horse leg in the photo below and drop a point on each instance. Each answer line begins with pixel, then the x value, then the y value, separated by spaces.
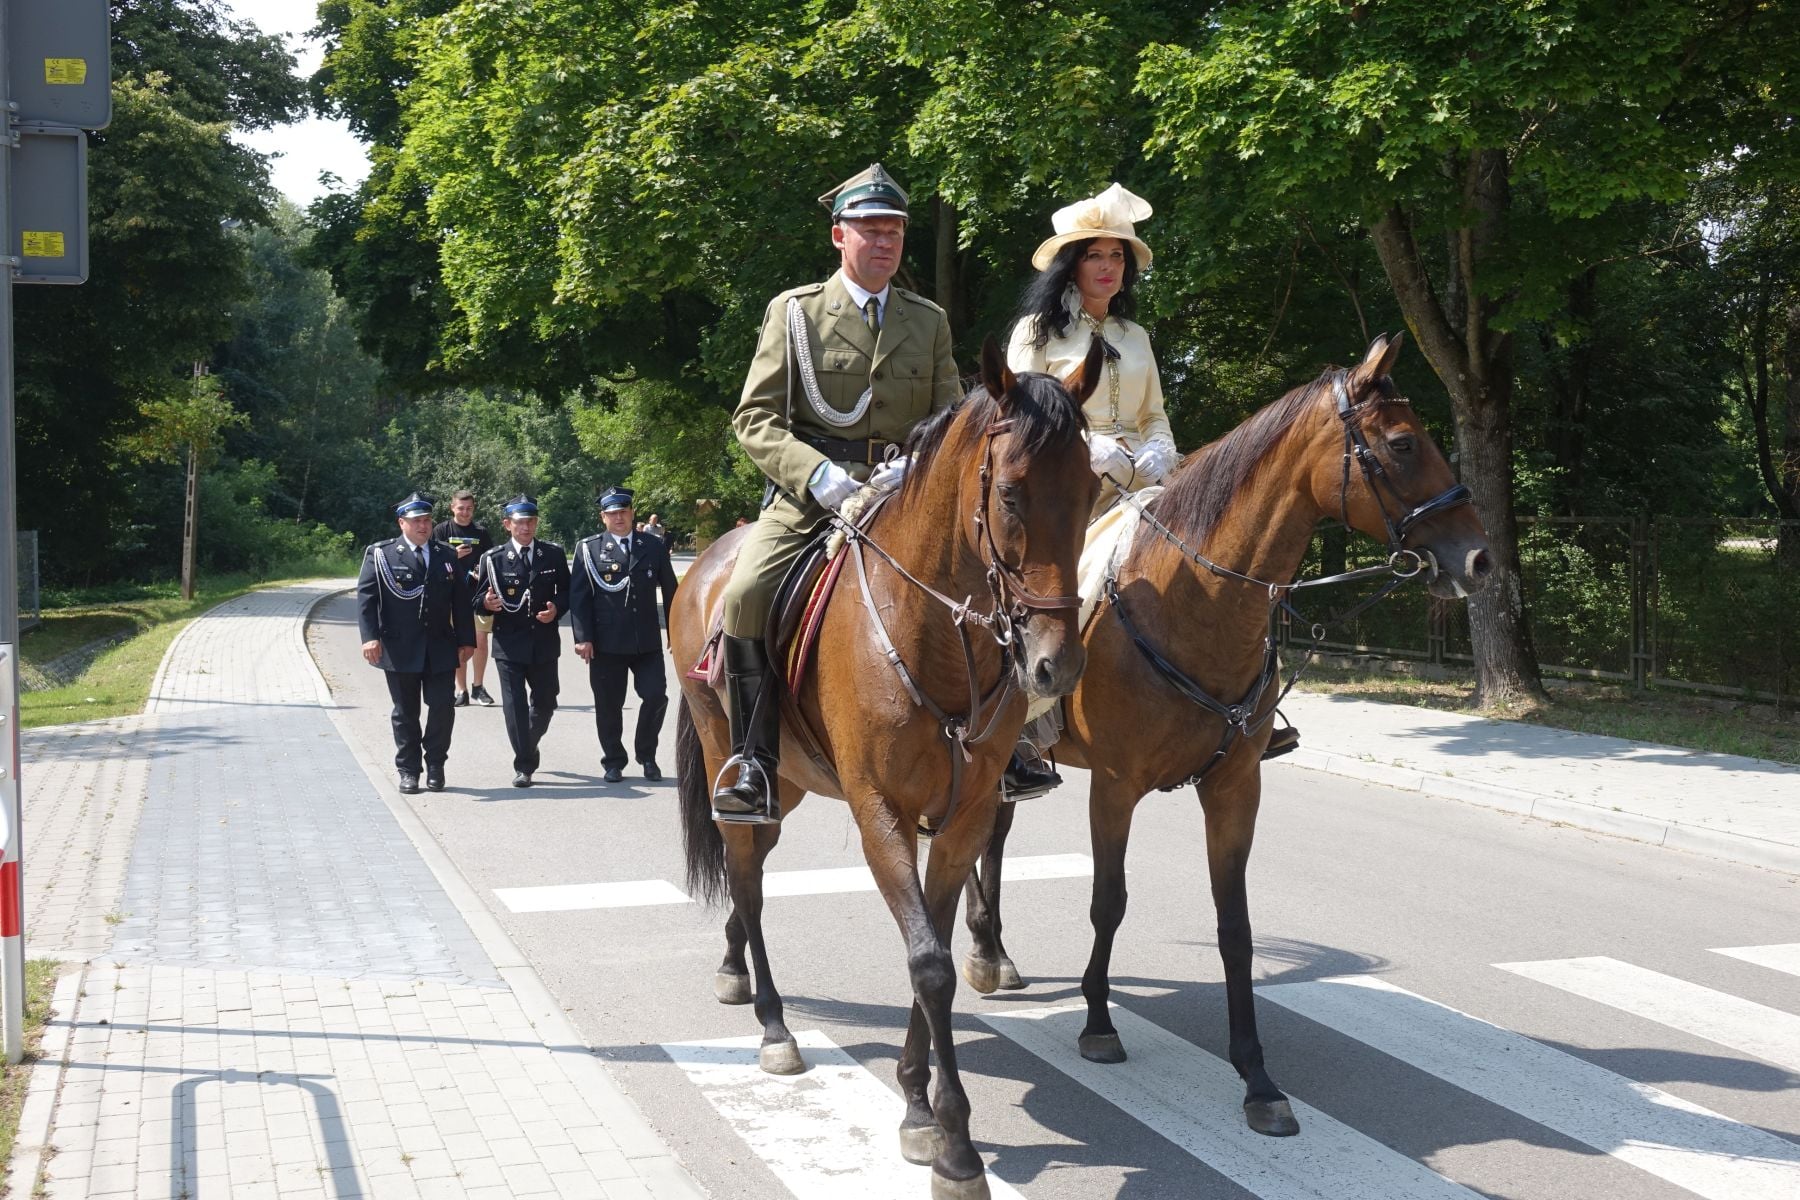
pixel 1231 803
pixel 925 915
pixel 732 982
pixel 1109 826
pixel 746 846
pixel 987 965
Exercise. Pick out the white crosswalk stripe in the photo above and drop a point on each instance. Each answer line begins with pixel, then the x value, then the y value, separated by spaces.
pixel 1191 1098
pixel 1662 1134
pixel 1755 1029
pixel 821 881
pixel 828 1134
pixel 1777 958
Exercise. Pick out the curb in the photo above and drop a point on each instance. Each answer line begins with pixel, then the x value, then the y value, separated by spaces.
pixel 658 1168
pixel 31 1142
pixel 1657 831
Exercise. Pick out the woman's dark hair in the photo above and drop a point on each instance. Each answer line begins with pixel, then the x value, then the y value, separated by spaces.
pixel 1043 299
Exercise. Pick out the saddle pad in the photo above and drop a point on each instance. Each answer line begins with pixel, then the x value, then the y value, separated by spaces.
pixel 807 634
pixel 1108 542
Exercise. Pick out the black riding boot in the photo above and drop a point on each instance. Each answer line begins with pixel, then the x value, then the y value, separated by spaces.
pixel 1027 776
pixel 1281 741
pixel 755 714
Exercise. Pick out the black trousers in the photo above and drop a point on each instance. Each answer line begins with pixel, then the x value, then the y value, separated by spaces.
pixel 528 697
pixel 606 674
pixel 435 691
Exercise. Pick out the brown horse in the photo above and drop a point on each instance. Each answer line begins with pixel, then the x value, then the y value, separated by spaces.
pixel 912 712
pixel 1193 591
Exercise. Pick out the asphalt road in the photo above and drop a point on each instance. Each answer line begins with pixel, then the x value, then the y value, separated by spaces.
pixel 1429 1069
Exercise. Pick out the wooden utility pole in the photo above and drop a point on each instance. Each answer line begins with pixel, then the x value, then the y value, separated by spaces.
pixel 190 508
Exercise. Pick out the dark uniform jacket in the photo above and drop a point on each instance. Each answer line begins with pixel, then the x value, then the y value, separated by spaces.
pixel 543 571
pixel 420 634
pixel 621 621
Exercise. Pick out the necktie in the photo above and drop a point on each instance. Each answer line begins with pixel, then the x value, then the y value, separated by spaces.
pixel 872 315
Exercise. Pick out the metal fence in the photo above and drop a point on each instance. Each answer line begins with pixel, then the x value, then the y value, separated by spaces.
pixel 1706 605
pixel 30 595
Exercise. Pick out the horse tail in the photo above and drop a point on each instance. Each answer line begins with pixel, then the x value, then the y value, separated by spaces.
pixel 701 842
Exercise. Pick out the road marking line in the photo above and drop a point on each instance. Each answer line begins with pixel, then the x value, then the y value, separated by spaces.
pixel 1659 1133
pixel 568 897
pixel 1195 1100
pixel 571 897
pixel 829 1133
pixel 1756 1029
pixel 1776 958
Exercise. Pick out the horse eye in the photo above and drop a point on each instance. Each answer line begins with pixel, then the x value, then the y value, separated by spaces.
pixel 1009 496
pixel 1402 444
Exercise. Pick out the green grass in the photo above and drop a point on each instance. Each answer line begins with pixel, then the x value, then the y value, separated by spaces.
pixel 40 982
pixel 1667 717
pixel 118 682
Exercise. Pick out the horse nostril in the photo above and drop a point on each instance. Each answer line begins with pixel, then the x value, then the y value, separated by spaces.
pixel 1480 565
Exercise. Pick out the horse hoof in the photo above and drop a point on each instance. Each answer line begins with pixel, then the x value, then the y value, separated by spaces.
pixel 732 989
pixel 1009 976
pixel 1102 1048
pixel 943 1188
pixel 982 975
pixel 1272 1118
pixel 921 1144
pixel 781 1058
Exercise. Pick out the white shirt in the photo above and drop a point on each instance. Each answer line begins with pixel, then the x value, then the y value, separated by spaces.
pixel 624 545
pixel 424 552
pixel 523 551
pixel 862 296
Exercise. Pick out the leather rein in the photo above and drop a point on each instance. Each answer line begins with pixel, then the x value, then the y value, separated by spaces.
pixel 1241 719
pixel 1013 604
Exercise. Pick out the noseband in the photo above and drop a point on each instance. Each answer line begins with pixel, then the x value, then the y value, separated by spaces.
pixel 1356 446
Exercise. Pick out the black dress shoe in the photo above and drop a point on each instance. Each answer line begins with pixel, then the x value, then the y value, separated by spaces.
pixel 612 775
pixel 434 779
pixel 522 779
pixel 652 772
pixel 409 783
pixel 1281 741
pixel 1025 780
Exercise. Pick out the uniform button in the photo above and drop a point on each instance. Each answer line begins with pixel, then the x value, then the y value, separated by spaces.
pixel 881 404
pixel 878 374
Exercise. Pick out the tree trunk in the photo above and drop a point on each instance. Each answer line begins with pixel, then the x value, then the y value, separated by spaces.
pixel 1788 473
pixel 189 513
pixel 1475 362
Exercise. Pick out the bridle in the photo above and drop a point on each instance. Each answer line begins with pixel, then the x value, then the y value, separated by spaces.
pixel 1013 603
pixel 1403 564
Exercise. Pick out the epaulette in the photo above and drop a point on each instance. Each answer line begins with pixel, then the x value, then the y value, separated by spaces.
pixel 806 289
pixel 917 299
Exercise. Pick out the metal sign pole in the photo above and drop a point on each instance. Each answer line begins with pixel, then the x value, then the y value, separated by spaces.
pixel 12 940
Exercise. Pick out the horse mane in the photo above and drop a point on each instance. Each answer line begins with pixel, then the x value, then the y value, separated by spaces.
pixel 1193 505
pixel 1045 416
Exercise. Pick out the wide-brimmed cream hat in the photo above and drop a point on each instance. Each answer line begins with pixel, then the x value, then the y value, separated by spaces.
pixel 1110 214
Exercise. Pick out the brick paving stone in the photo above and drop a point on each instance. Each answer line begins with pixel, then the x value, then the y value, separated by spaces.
pixel 284 1003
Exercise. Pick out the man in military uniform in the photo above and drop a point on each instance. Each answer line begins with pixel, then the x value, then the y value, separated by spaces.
pixel 844 369
pixel 612 605
pixel 417 626
pixel 526 586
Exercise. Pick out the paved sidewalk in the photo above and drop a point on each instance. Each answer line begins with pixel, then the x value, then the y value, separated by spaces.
pixel 1744 809
pixel 279 994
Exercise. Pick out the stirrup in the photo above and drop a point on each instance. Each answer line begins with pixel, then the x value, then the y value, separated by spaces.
pixel 1011 793
pixel 1282 741
pixel 748 762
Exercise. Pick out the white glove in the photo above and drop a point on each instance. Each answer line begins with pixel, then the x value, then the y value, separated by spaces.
pixel 1107 457
pixel 888 475
pixel 1155 459
pixel 831 485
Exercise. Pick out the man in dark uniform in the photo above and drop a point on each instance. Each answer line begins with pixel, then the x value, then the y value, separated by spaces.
pixel 612 605
pixel 418 627
pixel 526 587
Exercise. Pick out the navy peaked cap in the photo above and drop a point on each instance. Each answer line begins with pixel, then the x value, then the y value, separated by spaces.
pixel 416 505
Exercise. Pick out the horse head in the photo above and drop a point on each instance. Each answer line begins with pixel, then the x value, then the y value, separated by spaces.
pixel 1394 484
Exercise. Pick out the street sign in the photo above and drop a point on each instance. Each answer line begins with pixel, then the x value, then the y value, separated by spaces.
pixel 59 54
pixel 49 205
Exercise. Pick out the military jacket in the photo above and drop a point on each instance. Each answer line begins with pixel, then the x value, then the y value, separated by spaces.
pixel 908 368
pixel 528 582
pixel 612 596
pixel 419 633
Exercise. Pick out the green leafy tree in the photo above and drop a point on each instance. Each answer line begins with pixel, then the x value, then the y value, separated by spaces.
pixel 187 421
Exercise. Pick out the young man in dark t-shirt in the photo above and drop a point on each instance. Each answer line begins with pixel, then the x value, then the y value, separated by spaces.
pixel 471 540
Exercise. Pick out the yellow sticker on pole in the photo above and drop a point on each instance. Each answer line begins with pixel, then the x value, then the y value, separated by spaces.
pixel 44 245
pixel 65 70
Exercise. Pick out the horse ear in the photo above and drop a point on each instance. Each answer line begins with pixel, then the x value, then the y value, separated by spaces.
pixel 1085 378
pixel 1379 359
pixel 996 376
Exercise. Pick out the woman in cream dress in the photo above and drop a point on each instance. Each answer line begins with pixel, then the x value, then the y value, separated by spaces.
pixel 1087 270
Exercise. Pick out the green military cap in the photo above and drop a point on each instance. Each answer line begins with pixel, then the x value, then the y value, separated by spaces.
pixel 868 193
